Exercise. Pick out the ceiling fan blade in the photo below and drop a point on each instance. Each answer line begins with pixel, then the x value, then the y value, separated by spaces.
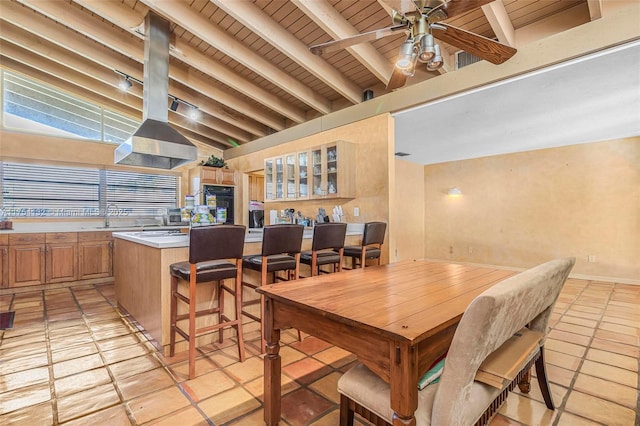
pixel 458 7
pixel 332 46
pixel 482 47
pixel 397 80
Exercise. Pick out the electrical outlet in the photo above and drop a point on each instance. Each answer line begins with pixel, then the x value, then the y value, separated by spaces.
pixel 356 211
pixel 592 258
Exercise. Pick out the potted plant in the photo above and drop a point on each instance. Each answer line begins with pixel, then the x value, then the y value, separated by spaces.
pixel 214 161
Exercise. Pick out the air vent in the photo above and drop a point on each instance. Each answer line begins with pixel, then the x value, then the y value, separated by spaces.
pixel 401 154
pixel 465 58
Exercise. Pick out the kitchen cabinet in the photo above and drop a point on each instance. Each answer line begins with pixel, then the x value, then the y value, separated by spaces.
pixel 61 257
pixel 4 261
pixel 26 259
pixel 324 171
pixel 95 255
pixel 333 170
pixel 214 175
pixel 256 187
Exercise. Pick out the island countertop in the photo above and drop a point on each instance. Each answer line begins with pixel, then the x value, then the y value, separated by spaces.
pixel 175 238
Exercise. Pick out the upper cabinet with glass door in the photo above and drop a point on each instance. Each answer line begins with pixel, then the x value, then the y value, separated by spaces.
pixel 325 171
pixel 334 170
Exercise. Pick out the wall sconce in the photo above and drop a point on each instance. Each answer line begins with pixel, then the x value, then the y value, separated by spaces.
pixel 454 192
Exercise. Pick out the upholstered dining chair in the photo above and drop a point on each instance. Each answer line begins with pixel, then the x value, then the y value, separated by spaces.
pixel 215 255
pixel 327 247
pixel 281 246
pixel 371 247
pixel 493 317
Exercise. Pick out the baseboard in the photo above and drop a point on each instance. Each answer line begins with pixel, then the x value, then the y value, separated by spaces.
pixel 616 280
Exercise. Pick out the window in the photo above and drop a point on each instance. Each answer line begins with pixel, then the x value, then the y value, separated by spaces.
pixel 37 107
pixel 30 190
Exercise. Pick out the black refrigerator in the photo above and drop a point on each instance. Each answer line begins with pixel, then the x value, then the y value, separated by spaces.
pixel 224 199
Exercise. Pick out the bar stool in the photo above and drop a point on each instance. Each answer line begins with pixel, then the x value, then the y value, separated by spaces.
pixel 210 250
pixel 327 247
pixel 371 247
pixel 281 245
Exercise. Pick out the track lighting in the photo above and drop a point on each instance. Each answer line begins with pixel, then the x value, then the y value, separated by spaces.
pixel 194 113
pixel 174 105
pixel 125 84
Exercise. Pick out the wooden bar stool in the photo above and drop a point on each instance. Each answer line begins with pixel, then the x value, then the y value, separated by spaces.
pixel 281 245
pixel 215 254
pixel 371 247
pixel 327 247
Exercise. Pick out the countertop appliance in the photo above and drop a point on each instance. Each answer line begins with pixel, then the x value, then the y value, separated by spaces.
pixel 174 217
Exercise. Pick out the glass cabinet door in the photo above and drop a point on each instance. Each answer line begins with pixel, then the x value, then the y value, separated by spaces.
pixel 290 176
pixel 332 170
pixel 303 179
pixel 279 178
pixel 268 180
pixel 316 157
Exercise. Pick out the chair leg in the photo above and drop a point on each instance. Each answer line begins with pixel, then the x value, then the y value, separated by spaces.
pixel 541 372
pixel 220 293
pixel 346 414
pixel 192 323
pixel 238 297
pixel 174 314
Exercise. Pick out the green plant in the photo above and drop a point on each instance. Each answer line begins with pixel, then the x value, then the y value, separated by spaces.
pixel 214 161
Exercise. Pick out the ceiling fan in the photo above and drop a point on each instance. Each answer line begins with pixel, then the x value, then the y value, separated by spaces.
pixel 422 20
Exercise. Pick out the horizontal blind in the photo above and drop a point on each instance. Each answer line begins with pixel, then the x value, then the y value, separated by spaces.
pixel 141 194
pixel 30 190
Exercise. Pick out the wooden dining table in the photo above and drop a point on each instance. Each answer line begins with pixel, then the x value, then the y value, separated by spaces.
pixel 396 318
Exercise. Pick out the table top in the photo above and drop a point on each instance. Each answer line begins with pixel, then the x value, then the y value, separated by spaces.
pixel 405 301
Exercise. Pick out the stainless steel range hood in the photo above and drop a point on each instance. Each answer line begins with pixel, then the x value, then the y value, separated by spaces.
pixel 155 143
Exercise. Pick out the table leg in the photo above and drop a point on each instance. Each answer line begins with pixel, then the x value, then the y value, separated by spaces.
pixel 272 369
pixel 404 392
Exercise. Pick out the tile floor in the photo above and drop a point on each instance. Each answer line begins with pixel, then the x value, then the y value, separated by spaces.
pixel 72 359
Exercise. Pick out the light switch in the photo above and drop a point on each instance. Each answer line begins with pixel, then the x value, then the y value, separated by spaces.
pixel 356 211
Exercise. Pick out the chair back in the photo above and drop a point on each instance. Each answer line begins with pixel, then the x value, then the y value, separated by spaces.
pixel 216 242
pixel 328 236
pixel 373 233
pixel 282 238
pixel 492 318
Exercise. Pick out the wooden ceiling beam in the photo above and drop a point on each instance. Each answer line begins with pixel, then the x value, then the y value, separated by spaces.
pixel 78 62
pixel 89 84
pixel 595 9
pixel 334 24
pixel 132 47
pixel 201 27
pixel 500 22
pixel 263 25
pixel 121 15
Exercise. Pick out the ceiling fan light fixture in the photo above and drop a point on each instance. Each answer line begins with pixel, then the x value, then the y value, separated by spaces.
pixel 405 55
pixel 437 61
pixel 427 48
pixel 411 69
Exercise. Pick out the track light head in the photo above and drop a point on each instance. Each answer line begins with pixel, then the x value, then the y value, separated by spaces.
pixel 174 105
pixel 125 84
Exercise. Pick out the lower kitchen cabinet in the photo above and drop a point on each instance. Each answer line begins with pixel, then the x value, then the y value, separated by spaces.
pixel 61 257
pixel 54 257
pixel 4 261
pixel 95 255
pixel 26 259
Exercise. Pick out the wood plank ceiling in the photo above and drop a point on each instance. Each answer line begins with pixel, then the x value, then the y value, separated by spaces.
pixel 244 64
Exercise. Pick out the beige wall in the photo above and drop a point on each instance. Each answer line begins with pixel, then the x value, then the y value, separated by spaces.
pixel 523 209
pixel 408 212
pixel 373 170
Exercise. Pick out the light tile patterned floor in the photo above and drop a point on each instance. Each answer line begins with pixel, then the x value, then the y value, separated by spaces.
pixel 72 359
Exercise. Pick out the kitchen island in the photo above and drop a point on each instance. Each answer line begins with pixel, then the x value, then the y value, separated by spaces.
pixel 143 281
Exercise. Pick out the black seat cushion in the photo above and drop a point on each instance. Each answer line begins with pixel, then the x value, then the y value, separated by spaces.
pixel 276 262
pixel 356 251
pixel 323 258
pixel 205 271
